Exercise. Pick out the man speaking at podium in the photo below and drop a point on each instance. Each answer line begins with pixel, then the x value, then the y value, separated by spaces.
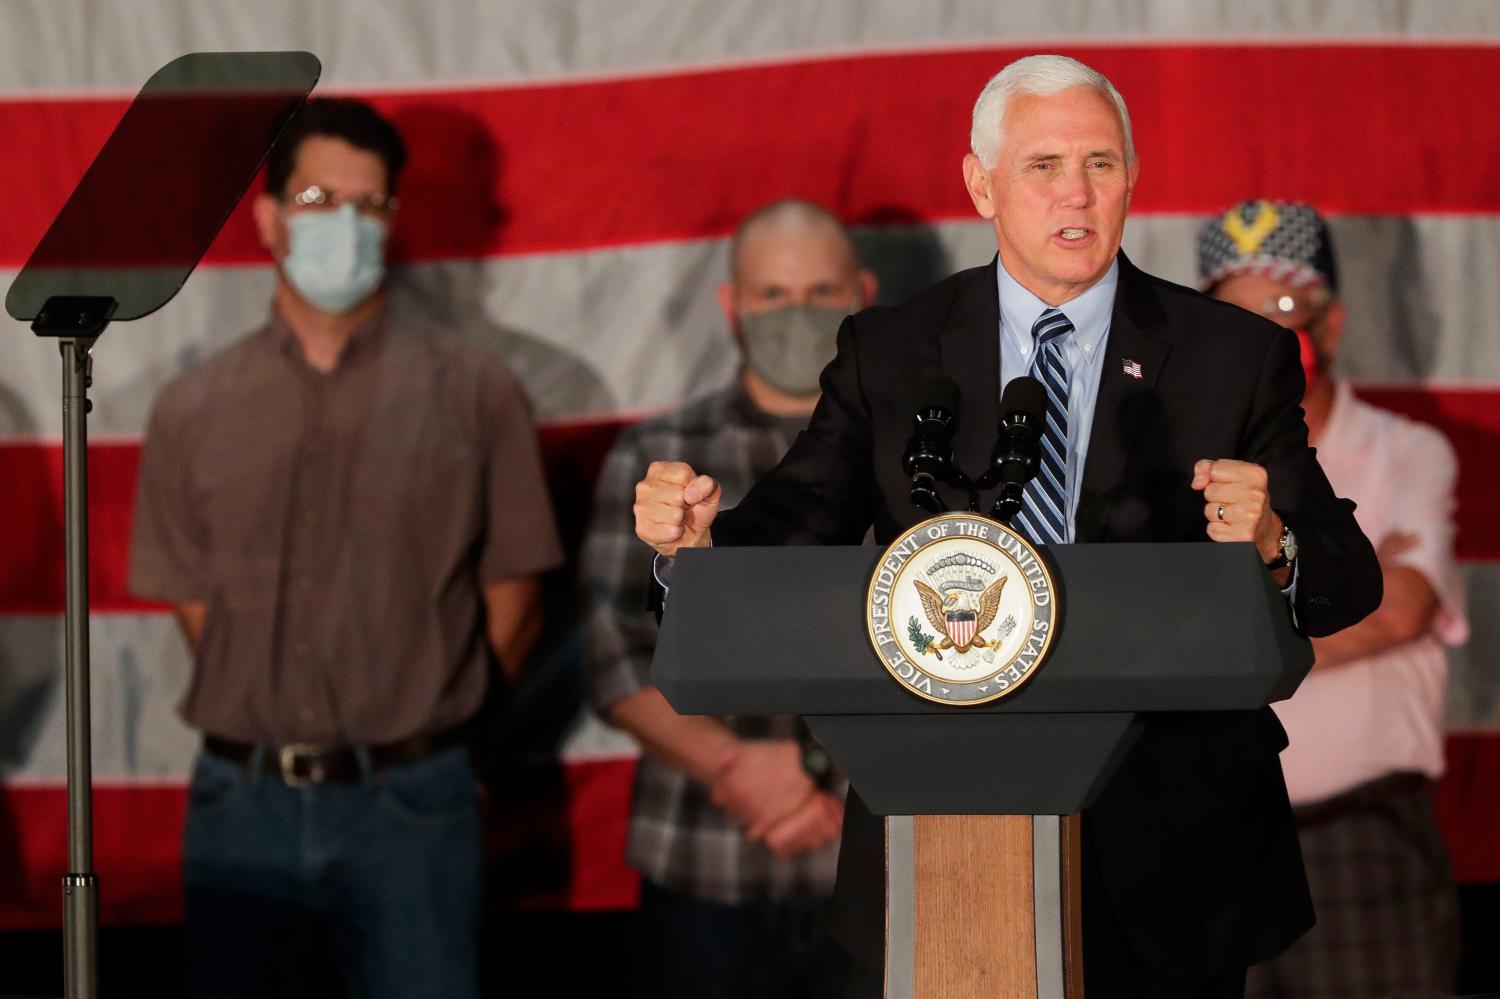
pixel 1181 421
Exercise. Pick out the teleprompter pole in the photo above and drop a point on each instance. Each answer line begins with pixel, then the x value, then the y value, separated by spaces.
pixel 80 886
pixel 205 118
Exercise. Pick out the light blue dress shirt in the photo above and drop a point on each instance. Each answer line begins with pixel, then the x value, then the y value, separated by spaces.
pixel 1083 350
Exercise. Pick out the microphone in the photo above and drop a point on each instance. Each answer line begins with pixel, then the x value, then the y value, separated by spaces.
pixel 929 451
pixel 1017 454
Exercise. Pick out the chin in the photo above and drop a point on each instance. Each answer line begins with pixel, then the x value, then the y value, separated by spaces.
pixel 1075 273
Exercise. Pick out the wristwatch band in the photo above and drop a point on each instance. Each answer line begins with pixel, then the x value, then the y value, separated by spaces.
pixel 815 759
pixel 1286 543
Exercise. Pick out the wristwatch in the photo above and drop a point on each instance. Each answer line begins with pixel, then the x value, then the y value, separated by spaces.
pixel 1288 549
pixel 816 762
pixel 815 759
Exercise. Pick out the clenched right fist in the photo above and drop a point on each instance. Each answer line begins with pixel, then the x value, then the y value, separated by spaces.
pixel 674 506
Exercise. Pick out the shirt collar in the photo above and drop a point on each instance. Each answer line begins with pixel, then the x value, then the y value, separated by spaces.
pixel 1089 313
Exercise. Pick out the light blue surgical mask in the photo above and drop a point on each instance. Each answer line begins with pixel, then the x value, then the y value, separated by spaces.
pixel 336 259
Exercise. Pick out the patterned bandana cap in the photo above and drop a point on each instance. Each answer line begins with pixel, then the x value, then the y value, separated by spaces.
pixel 1278 239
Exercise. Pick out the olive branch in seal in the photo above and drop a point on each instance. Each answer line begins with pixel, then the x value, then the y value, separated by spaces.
pixel 921 639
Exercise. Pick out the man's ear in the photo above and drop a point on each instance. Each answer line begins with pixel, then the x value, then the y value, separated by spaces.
pixel 977 182
pixel 725 295
pixel 266 211
pixel 869 284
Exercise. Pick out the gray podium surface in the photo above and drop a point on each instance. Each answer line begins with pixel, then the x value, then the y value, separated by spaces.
pixel 781 631
pixel 1144 628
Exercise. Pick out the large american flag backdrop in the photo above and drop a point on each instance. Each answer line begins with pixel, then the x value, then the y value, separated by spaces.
pixel 575 169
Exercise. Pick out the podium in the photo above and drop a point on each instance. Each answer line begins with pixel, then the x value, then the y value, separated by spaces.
pixel 982 832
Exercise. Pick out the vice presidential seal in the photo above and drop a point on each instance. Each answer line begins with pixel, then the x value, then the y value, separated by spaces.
pixel 961 610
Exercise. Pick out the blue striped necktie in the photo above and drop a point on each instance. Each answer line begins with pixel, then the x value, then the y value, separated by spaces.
pixel 1043 516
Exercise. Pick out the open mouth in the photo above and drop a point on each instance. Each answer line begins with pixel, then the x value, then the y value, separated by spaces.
pixel 1073 234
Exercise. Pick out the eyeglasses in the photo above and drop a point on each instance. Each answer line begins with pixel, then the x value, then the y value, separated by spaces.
pixel 1299 309
pixel 315 199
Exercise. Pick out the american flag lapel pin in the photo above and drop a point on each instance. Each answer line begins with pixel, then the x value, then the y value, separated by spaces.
pixel 1132 368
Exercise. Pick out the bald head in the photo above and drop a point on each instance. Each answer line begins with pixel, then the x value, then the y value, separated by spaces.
pixel 793 252
pixel 788 220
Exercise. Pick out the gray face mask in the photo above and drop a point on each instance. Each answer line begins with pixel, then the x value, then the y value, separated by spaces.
pixel 790 347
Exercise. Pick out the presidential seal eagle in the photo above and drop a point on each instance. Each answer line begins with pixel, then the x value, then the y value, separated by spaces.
pixel 962 614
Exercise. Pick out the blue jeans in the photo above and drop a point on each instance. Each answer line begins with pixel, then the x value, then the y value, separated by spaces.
pixel 376 883
pixel 689 948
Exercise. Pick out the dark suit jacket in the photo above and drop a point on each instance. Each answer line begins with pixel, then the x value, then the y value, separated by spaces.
pixel 1192 841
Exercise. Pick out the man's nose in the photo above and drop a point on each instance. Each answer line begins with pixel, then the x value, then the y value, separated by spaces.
pixel 1077 190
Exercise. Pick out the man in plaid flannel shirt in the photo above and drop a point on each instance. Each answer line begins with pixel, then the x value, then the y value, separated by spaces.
pixel 735 821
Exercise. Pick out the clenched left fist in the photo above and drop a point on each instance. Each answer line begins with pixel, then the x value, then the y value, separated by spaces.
pixel 1237 504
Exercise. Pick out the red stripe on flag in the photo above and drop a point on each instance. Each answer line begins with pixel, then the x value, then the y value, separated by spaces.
pixel 31 566
pixel 138 846
pixel 1468 806
pixel 31 559
pixel 137 853
pixel 556 836
pixel 31 510
pixel 138 840
pixel 599 795
pixel 1354 128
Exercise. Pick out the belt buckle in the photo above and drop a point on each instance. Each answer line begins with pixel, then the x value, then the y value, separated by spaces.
pixel 288 756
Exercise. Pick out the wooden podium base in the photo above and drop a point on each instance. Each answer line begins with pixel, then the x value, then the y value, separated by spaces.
pixel 983 905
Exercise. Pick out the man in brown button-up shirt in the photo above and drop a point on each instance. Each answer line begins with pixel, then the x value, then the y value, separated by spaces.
pixel 347 510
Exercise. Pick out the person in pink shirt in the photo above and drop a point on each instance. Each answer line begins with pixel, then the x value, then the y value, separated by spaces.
pixel 1366 726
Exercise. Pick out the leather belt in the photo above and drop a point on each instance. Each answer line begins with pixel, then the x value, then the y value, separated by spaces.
pixel 300 764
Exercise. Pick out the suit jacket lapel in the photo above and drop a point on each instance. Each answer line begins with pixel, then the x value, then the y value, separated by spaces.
pixel 970 351
pixel 1138 335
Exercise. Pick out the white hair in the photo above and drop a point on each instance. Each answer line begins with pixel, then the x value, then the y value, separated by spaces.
pixel 1040 75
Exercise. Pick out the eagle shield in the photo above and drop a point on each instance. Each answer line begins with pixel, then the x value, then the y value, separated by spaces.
pixel 961 616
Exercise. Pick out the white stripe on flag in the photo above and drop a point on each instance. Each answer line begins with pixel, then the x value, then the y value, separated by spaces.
pixel 585 330
pixel 115 47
